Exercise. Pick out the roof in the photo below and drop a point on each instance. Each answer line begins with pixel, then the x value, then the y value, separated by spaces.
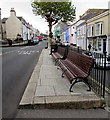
pixel 88 16
pixel 4 20
pixel 20 18
pixel 92 13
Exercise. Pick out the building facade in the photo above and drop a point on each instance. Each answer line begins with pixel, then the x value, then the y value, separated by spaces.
pixel 14 26
pixel 81 27
pixel 98 32
pixel 60 31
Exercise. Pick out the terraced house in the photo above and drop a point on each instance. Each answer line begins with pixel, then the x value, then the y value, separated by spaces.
pixel 14 27
pixel 97 34
pixel 81 27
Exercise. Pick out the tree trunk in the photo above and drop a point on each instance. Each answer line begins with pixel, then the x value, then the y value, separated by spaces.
pixel 50 35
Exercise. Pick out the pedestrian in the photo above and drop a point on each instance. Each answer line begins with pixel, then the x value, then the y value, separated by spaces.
pixel 89 47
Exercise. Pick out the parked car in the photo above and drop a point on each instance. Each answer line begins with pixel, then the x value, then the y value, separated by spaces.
pixel 40 38
pixel 34 41
pixel 99 59
pixel 45 38
pixel 3 42
pixel 108 57
pixel 88 53
pixel 66 43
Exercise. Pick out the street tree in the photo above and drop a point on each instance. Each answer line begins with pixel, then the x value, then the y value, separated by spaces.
pixel 54 12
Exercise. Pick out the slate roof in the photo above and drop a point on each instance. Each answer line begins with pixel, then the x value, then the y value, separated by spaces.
pixel 20 18
pixel 4 20
pixel 91 15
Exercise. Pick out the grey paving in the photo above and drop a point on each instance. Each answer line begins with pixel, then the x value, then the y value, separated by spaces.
pixel 47 87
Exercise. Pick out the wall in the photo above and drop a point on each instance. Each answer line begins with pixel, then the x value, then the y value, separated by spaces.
pixel 24 32
pixel 97 19
pixel 13 27
pixel 103 17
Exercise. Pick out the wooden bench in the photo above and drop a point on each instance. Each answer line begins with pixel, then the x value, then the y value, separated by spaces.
pixel 77 68
pixel 60 54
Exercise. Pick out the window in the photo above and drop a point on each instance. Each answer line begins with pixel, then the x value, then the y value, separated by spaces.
pixel 90 30
pixel 84 30
pixel 99 28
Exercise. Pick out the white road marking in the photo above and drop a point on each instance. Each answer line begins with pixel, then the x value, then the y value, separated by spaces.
pixel 27 47
pixel 26 52
pixel 8 52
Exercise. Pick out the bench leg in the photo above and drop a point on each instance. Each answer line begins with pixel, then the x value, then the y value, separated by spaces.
pixel 63 72
pixel 75 81
pixel 86 82
pixel 56 62
pixel 57 65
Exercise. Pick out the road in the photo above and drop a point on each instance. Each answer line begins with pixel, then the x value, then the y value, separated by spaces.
pixel 17 66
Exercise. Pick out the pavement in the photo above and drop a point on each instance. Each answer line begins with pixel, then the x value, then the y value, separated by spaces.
pixel 47 89
pixel 14 44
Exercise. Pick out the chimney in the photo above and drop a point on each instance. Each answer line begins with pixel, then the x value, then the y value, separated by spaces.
pixel 12 12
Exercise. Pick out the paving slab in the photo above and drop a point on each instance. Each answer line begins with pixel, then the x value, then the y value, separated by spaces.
pixel 45 91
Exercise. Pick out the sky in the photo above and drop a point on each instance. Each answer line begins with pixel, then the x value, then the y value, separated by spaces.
pixel 23 8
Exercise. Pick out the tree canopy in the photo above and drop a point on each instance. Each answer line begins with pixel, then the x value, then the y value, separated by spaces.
pixel 54 12
pixel 64 11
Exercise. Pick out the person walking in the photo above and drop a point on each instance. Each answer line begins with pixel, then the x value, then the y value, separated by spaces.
pixel 89 47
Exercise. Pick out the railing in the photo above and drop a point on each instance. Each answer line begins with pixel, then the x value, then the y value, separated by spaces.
pixel 98 73
pixel 98 78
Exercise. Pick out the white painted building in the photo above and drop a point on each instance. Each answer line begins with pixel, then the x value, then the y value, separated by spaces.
pixel 81 35
pixel 14 26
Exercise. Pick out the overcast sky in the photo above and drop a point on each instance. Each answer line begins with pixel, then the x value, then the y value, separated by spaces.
pixel 23 8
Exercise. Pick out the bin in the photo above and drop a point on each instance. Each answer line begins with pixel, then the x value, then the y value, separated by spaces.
pixel 53 48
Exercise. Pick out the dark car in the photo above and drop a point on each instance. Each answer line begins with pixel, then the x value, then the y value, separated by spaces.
pixel 99 59
pixel 34 41
pixel 88 53
pixel 4 42
pixel 45 38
